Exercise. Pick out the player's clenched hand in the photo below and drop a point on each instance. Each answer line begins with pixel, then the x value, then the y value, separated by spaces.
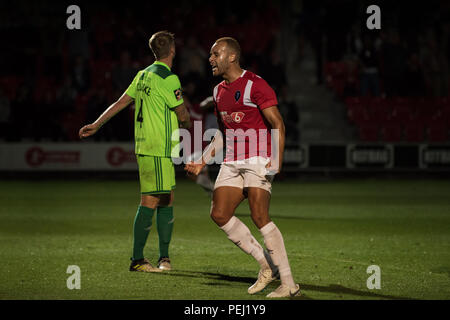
pixel 194 168
pixel 272 169
pixel 88 130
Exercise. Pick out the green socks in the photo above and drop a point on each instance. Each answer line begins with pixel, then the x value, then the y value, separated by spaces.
pixel 164 222
pixel 141 229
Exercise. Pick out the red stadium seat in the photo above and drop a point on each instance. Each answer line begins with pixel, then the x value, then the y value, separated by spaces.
pixel 368 132
pixel 426 107
pixel 437 132
pixel 353 101
pixel 379 102
pixel 380 114
pixel 357 114
pixel 71 121
pixel 357 101
pixel 9 85
pixel 340 68
pixel 445 115
pixel 338 86
pixel 402 114
pixel 43 84
pixel 414 131
pixel 426 111
pixel 443 102
pixel 401 101
pixel 335 76
pixel 391 132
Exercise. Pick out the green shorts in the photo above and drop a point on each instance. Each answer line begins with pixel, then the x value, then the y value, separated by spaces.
pixel 156 174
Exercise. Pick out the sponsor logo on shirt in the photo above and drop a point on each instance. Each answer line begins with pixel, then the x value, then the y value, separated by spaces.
pixel 237 116
pixel 178 94
pixel 234 117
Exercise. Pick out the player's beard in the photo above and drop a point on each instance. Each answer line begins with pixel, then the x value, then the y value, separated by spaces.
pixel 220 70
pixel 215 71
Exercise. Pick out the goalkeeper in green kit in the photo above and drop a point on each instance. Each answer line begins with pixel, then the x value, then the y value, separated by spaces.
pixel 160 110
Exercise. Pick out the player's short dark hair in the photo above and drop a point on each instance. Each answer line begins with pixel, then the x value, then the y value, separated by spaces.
pixel 233 45
pixel 161 42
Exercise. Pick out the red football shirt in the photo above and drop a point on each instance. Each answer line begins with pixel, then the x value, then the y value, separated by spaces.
pixel 239 106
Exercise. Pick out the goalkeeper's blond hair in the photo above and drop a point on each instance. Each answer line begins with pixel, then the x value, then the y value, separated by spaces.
pixel 161 42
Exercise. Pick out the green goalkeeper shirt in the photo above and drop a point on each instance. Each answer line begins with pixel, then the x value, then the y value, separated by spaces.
pixel 156 92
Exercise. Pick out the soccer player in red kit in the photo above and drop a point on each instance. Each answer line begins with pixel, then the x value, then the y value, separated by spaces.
pixel 246 108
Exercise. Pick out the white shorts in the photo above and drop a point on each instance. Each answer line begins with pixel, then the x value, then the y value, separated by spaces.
pixel 244 174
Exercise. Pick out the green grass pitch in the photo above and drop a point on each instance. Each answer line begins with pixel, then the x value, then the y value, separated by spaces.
pixel 333 230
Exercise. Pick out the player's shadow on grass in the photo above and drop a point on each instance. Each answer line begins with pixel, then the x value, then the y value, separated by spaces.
pixel 210 275
pixel 338 289
pixel 332 288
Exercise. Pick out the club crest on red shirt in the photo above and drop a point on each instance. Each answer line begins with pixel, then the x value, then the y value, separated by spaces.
pixel 237 95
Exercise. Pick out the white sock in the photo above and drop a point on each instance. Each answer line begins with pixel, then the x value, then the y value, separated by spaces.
pixel 275 245
pixel 241 236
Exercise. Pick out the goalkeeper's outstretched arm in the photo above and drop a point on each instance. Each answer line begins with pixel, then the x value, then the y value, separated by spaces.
pixel 197 165
pixel 116 107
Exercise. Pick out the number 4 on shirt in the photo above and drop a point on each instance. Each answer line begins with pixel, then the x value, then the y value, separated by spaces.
pixel 139 117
